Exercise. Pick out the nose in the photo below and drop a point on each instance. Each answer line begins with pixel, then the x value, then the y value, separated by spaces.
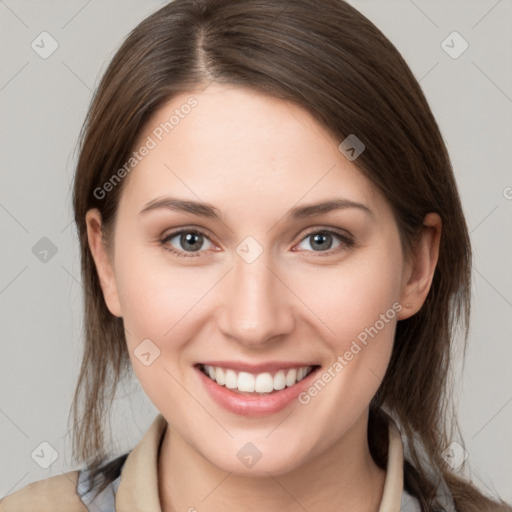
pixel 258 305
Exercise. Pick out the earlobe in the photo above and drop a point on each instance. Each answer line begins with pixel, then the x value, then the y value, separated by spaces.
pixel 102 261
pixel 419 273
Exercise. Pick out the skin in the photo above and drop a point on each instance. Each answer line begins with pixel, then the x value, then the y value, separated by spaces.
pixel 254 157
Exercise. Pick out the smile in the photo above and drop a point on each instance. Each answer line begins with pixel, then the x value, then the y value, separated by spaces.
pixel 257 392
pixel 261 383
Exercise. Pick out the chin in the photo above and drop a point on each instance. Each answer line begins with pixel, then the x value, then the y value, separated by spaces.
pixel 257 459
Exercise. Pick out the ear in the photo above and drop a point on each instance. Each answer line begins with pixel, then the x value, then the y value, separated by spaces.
pixel 419 271
pixel 102 261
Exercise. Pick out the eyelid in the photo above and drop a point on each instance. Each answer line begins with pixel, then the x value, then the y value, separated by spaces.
pixel 343 233
pixel 164 239
pixel 346 239
pixel 189 229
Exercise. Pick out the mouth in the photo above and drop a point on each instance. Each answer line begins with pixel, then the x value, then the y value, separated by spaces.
pixel 259 384
pixel 255 393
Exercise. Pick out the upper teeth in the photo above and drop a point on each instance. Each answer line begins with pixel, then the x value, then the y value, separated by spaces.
pixel 260 383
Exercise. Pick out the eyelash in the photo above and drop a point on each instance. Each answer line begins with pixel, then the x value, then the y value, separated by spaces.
pixel 346 242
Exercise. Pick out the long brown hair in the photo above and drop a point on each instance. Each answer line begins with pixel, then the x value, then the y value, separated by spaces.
pixel 329 59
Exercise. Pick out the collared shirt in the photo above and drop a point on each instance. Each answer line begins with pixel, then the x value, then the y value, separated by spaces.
pixel 136 488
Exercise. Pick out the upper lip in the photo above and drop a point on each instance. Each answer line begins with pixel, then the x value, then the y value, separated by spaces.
pixel 270 366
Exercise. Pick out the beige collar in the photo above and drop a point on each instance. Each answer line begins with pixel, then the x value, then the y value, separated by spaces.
pixel 138 489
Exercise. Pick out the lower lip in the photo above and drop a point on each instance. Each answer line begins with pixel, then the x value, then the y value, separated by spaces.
pixel 254 405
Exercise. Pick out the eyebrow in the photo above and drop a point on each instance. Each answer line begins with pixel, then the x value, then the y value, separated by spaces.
pixel 206 210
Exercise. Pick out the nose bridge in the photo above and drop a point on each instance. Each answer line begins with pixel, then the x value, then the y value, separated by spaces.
pixel 257 308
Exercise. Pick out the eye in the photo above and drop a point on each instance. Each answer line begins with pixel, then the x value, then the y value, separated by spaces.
pixel 323 240
pixel 190 241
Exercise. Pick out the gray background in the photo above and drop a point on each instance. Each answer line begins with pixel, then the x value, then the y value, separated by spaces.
pixel 43 104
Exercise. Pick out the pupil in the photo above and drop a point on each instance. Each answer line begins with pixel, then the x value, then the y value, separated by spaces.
pixel 321 237
pixel 190 239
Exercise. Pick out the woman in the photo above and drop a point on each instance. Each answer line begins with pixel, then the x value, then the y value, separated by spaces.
pixel 227 142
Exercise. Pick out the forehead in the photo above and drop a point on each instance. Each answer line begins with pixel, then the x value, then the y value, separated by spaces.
pixel 230 142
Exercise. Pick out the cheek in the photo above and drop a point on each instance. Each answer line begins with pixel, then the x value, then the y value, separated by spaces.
pixel 353 297
pixel 155 296
pixel 157 304
pixel 357 308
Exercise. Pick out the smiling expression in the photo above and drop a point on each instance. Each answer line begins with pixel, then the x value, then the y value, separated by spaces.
pixel 247 242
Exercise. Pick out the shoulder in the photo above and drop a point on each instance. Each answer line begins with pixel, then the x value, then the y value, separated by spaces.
pixel 54 494
pixel 100 491
pixel 73 491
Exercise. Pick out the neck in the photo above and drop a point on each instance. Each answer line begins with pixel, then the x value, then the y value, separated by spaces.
pixel 341 479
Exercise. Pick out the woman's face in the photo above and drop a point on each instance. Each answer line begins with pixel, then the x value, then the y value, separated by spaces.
pixel 241 282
